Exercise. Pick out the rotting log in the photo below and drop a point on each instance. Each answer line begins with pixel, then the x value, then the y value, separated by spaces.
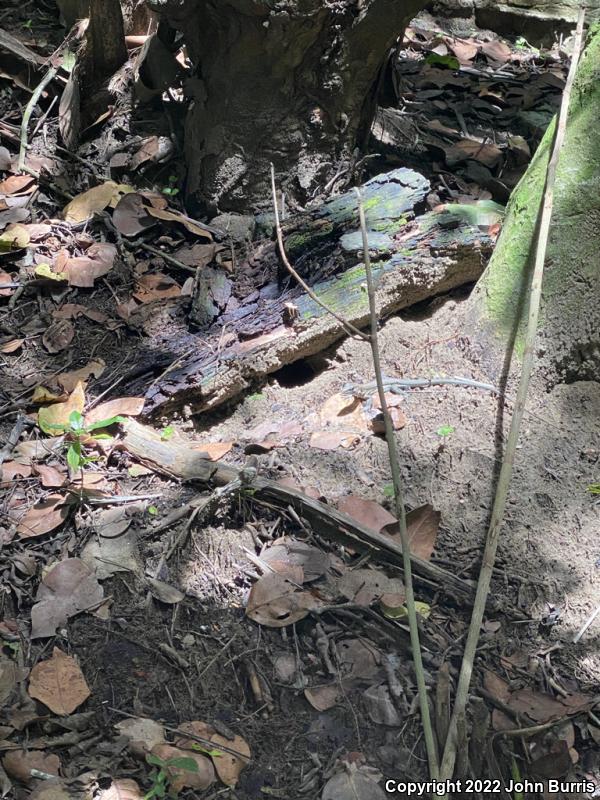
pixel 414 258
pixel 178 459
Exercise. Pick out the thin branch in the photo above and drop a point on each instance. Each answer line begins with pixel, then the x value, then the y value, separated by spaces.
pixel 432 755
pixel 489 554
pixel 33 101
pixel 348 326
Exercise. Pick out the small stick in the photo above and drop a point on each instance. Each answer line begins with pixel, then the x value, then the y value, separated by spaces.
pixel 348 326
pixel 13 437
pixel 491 545
pixel 432 756
pixel 586 625
pixel 33 101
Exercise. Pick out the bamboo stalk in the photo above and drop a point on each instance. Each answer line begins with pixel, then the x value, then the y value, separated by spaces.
pixel 432 755
pixel 489 554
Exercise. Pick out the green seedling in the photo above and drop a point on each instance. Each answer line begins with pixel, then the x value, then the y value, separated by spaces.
pixel 205 751
pixel 28 24
pixel 161 779
pixel 153 511
pixel 388 490
pixel 445 430
pixel 594 488
pixel 79 435
pixel 171 190
pixel 167 433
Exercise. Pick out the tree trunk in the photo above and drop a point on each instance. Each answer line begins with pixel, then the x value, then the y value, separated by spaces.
pixel 569 337
pixel 293 83
pixel 106 51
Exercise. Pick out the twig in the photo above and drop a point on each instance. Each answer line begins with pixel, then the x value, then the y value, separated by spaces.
pixel 432 756
pixel 13 437
pixel 586 625
pixel 348 326
pixel 33 101
pixel 489 554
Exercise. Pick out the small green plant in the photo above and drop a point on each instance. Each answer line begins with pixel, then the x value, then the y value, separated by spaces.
pixel 160 776
pixel 167 433
pixel 28 24
pixel 388 490
pixel 594 488
pixel 153 511
pixel 171 190
pixel 78 436
pixel 445 430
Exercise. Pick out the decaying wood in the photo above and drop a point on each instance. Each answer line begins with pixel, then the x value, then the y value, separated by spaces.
pixel 178 459
pixel 414 258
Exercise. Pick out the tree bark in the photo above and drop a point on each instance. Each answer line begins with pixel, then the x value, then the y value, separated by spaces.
pixel 292 83
pixel 106 51
pixel 569 336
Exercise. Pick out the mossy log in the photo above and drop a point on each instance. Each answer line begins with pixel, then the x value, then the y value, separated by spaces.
pixel 266 325
pixel 569 335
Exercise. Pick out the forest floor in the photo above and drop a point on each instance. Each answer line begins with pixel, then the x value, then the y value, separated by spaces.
pixel 282 655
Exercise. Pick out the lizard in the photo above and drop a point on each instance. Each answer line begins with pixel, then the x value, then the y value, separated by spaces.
pixel 399 385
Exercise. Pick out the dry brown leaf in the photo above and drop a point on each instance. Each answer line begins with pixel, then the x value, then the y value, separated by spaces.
pixel 275 602
pixel 44 516
pixel 58 413
pixel 352 785
pixel 97 261
pixel 331 440
pixel 85 205
pixel 164 591
pixel 288 551
pixel 122 406
pixel 5 277
pixel 67 589
pixel 465 51
pixel 12 346
pixel 51 477
pixel 121 789
pixel 174 216
pixel 130 216
pixel 423 524
pixel 19 763
pixel 322 698
pixel 365 586
pixel 228 767
pixel 366 512
pixel 341 411
pixel 59 683
pixel 496 51
pixel 13 469
pixel 488 154
pixel 58 336
pixel 142 733
pixel 156 286
pixel 69 380
pixel 201 778
pixel 214 450
pixel 14 237
pixel 17 184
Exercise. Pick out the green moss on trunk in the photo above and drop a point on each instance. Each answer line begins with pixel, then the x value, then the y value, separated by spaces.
pixel 570 318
